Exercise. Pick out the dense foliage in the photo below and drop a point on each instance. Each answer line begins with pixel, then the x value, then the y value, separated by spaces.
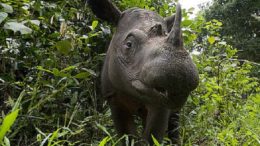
pixel 51 55
pixel 241 25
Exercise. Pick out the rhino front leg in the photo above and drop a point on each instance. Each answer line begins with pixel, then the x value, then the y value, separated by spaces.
pixel 122 118
pixel 156 123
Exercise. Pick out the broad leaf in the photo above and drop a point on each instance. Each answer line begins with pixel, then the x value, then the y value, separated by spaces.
pixel 94 24
pixel 92 72
pixel 7 123
pixel 7 8
pixel 6 142
pixel 15 26
pixel 69 68
pixel 211 40
pixel 56 72
pixel 3 16
pixel 82 75
pixel 35 22
pixel 155 141
pixel 104 141
pixel 42 69
pixel 186 22
pixel 64 46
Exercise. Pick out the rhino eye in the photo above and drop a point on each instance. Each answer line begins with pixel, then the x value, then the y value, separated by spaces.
pixel 129 44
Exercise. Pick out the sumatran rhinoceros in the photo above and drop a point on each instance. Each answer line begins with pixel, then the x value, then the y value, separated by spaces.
pixel 147 72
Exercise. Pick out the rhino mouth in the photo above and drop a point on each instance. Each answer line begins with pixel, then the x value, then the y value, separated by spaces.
pixel 159 96
pixel 154 94
pixel 162 91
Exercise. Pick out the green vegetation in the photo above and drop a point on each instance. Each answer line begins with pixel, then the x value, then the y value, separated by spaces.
pixel 241 25
pixel 51 54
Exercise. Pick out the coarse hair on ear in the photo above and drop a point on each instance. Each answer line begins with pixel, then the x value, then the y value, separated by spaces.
pixel 105 10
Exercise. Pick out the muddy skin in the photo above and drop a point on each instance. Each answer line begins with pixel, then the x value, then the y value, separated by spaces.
pixel 147 71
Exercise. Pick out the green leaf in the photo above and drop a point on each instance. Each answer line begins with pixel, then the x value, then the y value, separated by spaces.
pixel 92 72
pixel 94 24
pixel 7 8
pixel 15 26
pixel 42 69
pixel 155 141
pixel 35 22
pixel 192 37
pixel 104 141
pixel 18 101
pixel 64 46
pixel 58 73
pixel 68 68
pixel 55 71
pixel 186 22
pixel 6 141
pixel 82 75
pixel 208 68
pixel 211 39
pixel 103 129
pixel 218 23
pixel 3 16
pixel 94 34
pixel 55 135
pixel 7 123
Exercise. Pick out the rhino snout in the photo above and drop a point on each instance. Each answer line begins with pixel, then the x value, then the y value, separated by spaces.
pixel 172 78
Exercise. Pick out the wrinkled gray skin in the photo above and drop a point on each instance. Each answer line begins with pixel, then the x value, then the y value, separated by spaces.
pixel 147 71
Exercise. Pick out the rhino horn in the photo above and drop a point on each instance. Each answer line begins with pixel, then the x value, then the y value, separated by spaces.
pixel 175 36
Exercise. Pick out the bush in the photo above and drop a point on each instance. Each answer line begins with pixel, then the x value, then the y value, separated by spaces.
pixel 224 108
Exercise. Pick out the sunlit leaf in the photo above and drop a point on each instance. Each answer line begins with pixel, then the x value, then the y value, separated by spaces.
pixel 211 39
pixel 186 22
pixel 7 123
pixel 155 141
pixel 104 141
pixel 1 80
pixel 82 75
pixel 35 22
pixel 42 69
pixel 15 26
pixel 7 8
pixel 55 71
pixel 94 24
pixel 3 16
pixel 218 23
pixel 92 72
pixel 55 135
pixel 207 68
pixel 6 141
pixel 68 68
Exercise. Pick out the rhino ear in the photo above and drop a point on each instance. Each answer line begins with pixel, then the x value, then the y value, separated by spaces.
pixel 169 22
pixel 105 10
